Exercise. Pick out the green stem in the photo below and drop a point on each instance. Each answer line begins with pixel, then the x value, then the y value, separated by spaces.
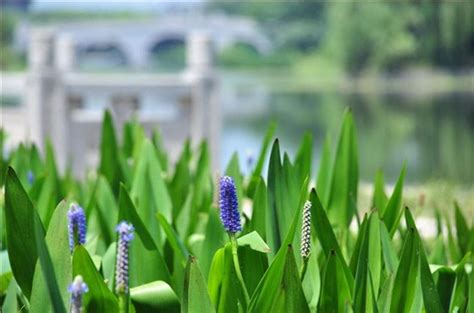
pixel 235 258
pixel 123 302
pixel 304 268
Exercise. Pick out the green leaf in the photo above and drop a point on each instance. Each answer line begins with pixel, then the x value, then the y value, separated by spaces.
pixel 326 235
pixel 20 219
pixel 392 213
pixel 99 298
pixel 304 158
pixel 345 175
pixel 462 230
pixel 233 170
pixel 312 282
pixel 430 295
pixel 157 295
pixel 149 190
pixel 290 296
pixel 282 198
pixel 257 172
pixel 180 183
pixel 445 284
pixel 10 304
pixel 47 269
pixel 335 290
pixel 389 254
pixel 179 249
pixel 57 241
pixel 109 163
pixel 379 200
pixel 195 296
pixel 202 193
pixel 222 284
pixel 405 279
pixel 254 241
pixel 324 175
pixel 266 292
pixel 259 209
pixel 143 250
pixel 368 266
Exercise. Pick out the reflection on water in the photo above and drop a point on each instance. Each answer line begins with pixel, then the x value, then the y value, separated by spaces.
pixel 433 134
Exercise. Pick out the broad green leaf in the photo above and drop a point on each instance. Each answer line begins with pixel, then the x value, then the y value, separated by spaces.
pixel 222 283
pixel 57 241
pixel 459 298
pixel 201 199
pixel 195 296
pixel 266 292
pixel 335 290
pixel 312 282
pixel 10 303
pixel 149 190
pixel 233 170
pixel 180 183
pixel 254 241
pixel 283 197
pixel 392 213
pixel 368 266
pixel 431 299
pixel 20 219
pixel 462 230
pixel 326 235
pixel 109 163
pixel 345 175
pixel 257 172
pixel 406 276
pixel 388 251
pixel 179 249
pixel 143 249
pixel 379 199
pixel 47 269
pixel 157 295
pixel 325 172
pixel 99 298
pixel 445 284
pixel 304 158
pixel 259 209
pixel 214 238
pixel 108 264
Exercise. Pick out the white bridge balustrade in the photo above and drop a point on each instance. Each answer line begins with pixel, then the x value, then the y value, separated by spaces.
pixel 67 105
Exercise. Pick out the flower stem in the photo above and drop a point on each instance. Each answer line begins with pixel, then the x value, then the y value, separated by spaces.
pixel 123 302
pixel 235 258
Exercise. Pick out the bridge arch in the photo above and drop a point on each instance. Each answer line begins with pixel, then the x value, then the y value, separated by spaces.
pixel 101 55
pixel 167 52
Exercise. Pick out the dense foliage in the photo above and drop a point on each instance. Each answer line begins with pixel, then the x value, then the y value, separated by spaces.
pixel 358 36
pixel 180 258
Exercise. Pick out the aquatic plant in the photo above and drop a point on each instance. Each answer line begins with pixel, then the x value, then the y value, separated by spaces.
pixel 286 242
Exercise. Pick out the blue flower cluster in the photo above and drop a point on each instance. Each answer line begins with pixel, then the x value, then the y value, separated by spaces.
pixel 229 205
pixel 77 289
pixel 125 235
pixel 76 226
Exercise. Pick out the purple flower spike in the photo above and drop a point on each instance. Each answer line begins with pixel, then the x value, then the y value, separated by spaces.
pixel 228 203
pixel 77 289
pixel 76 226
pixel 125 235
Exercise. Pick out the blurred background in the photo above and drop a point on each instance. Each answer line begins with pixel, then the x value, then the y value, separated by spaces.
pixel 405 68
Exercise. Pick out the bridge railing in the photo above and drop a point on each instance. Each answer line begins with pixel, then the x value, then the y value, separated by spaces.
pixel 67 105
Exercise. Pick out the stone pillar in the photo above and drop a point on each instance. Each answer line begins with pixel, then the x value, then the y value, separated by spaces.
pixel 65 58
pixel 205 110
pixel 40 85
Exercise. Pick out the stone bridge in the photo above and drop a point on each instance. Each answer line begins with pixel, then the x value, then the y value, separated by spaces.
pixel 133 42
